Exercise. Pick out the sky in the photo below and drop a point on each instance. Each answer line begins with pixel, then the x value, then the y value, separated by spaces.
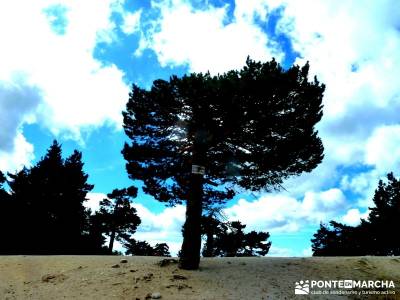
pixel 66 68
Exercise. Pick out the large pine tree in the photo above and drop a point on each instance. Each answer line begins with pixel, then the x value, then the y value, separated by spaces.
pixel 200 139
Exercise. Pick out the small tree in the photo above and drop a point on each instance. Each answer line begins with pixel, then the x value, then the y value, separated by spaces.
pixel 210 228
pixel 143 248
pixel 137 248
pixel 161 249
pixel 254 244
pixel 200 139
pixel 117 216
pixel 232 241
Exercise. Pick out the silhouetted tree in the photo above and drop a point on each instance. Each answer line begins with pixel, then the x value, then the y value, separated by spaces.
pixel 94 237
pixel 47 202
pixel 339 240
pixel 384 217
pixel 373 236
pixel 210 228
pixel 143 248
pixel 117 216
pixel 7 213
pixel 161 249
pixel 254 244
pixel 201 138
pixel 137 248
pixel 231 240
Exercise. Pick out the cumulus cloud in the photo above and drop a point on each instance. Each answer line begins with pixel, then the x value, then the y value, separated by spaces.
pixel 18 103
pixel 352 48
pixel 355 54
pixel 280 213
pixel 131 21
pixel 353 217
pixel 204 40
pixel 51 44
pixel 383 148
pixel 22 155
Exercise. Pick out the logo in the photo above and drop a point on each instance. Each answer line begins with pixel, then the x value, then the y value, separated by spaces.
pixel 348 284
pixel 302 287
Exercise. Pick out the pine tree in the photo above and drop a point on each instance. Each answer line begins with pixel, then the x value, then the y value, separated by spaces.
pixel 47 205
pixel 6 218
pixel 254 244
pixel 161 249
pixel 373 236
pixel 137 248
pixel 385 217
pixel 117 216
pixel 200 139
pixel 231 240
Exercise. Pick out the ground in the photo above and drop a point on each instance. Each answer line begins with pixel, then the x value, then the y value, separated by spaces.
pixel 116 277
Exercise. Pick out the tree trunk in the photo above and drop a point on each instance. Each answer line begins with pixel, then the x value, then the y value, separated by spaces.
pixel 209 248
pixel 114 229
pixel 190 254
pixel 111 244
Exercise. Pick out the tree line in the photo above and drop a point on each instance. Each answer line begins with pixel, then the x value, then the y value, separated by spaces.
pixel 42 211
pixel 376 235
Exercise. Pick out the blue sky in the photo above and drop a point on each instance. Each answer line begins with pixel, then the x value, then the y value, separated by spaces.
pixel 66 68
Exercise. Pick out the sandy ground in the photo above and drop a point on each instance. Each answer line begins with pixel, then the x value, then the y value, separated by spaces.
pixel 106 277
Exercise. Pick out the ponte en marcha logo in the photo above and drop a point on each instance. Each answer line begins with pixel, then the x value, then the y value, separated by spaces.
pixel 345 287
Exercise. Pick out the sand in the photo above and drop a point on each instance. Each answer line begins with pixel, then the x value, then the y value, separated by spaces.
pixel 105 277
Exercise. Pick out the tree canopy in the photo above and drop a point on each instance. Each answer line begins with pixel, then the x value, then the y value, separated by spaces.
pixel 203 138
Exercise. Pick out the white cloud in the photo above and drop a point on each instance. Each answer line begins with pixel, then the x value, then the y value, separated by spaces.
pixel 247 10
pixel 93 201
pixel 18 103
pixel 279 213
pixel 383 148
pixel 352 48
pixel 131 23
pixel 163 227
pixel 355 54
pixel 280 252
pixel 76 91
pixel 22 155
pixel 353 216
pixel 202 40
